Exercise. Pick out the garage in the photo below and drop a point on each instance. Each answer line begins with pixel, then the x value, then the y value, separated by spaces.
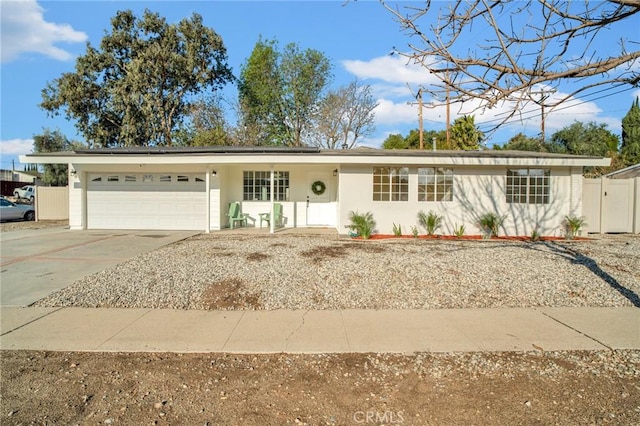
pixel 164 201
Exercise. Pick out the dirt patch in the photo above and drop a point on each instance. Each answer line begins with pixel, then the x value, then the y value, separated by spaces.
pixel 229 294
pixel 320 254
pixel 278 389
pixel 256 257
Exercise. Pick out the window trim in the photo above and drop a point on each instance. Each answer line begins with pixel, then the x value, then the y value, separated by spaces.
pixel 251 191
pixel 541 193
pixel 445 179
pixel 389 186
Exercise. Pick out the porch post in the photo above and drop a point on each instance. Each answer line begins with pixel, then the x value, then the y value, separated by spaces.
pixel 272 222
pixel 207 186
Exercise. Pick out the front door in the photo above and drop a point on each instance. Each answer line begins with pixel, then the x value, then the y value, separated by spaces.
pixel 319 209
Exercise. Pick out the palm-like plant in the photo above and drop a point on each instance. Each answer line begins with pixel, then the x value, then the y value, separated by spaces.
pixel 363 224
pixel 430 221
pixel 490 224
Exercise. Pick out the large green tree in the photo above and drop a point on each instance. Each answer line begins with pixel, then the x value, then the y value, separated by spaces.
pixel 630 149
pixel 412 140
pixel 465 134
pixel 522 142
pixel 279 92
pixel 135 88
pixel 54 141
pixel 580 139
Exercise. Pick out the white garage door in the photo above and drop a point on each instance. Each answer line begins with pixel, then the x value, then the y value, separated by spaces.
pixel 146 201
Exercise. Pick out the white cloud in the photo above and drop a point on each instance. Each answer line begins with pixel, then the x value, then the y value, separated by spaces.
pixel 16 146
pixel 393 81
pixel 25 30
pixel 392 69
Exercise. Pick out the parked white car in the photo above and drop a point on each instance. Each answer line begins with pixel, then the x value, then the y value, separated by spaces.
pixel 27 192
pixel 13 211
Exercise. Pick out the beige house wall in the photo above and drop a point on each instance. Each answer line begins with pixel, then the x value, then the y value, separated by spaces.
pixel 476 190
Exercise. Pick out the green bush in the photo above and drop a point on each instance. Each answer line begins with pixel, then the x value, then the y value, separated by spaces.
pixel 414 231
pixel 397 230
pixel 572 226
pixel 489 223
pixel 431 221
pixel 535 235
pixel 363 224
pixel 458 231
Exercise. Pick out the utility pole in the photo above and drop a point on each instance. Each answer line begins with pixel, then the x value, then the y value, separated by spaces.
pixel 544 94
pixel 420 118
pixel 448 110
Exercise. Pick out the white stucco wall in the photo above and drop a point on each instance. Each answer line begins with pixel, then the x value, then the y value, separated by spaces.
pixel 477 190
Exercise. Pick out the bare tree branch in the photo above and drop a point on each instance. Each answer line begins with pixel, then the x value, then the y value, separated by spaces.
pixel 495 52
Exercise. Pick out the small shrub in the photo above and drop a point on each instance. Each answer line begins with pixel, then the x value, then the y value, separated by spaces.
pixel 414 231
pixel 458 231
pixel 535 235
pixel 572 226
pixel 431 221
pixel 489 223
pixel 363 224
pixel 397 230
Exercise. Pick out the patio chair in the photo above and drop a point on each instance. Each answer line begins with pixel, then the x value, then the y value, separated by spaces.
pixel 277 214
pixel 235 215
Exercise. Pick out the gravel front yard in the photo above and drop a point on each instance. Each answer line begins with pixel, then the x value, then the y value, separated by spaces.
pixel 289 271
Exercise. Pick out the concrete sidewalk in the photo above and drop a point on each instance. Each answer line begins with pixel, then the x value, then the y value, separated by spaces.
pixel 399 331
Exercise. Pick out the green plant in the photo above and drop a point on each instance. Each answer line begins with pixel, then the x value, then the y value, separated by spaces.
pixel 414 231
pixel 535 235
pixel 431 221
pixel 363 224
pixel 489 223
pixel 458 231
pixel 572 226
pixel 397 230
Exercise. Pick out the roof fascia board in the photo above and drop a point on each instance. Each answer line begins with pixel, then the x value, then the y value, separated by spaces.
pixel 313 159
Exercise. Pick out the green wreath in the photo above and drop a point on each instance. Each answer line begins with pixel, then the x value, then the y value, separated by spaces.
pixel 318 187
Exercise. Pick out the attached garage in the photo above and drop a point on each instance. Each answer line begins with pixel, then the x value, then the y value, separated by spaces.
pixel 160 201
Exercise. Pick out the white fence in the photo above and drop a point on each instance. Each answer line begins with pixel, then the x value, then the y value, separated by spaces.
pixel 611 205
pixel 52 203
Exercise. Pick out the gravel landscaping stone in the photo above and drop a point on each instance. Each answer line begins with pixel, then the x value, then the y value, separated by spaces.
pixel 305 271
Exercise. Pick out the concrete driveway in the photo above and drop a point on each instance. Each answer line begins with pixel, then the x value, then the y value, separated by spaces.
pixel 36 262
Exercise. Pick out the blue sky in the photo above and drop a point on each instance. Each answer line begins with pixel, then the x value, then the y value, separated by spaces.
pixel 40 41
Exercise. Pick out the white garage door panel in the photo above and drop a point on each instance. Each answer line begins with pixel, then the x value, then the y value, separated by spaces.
pixel 157 205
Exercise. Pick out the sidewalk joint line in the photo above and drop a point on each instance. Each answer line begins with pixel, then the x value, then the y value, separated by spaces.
pixel 344 328
pixel 232 331
pixel 576 330
pixel 32 321
pixel 124 327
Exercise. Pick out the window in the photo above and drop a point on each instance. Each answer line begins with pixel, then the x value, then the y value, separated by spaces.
pixel 97 179
pixel 390 184
pixel 113 179
pixel 130 178
pixel 182 178
pixel 257 186
pixel 147 178
pixel 165 178
pixel 435 184
pixel 528 186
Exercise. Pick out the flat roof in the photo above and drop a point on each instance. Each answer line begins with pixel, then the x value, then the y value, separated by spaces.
pixel 279 150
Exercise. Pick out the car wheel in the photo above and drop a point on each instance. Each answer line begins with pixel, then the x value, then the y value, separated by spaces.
pixel 30 216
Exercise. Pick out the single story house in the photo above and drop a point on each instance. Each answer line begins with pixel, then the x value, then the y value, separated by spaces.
pixel 191 188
